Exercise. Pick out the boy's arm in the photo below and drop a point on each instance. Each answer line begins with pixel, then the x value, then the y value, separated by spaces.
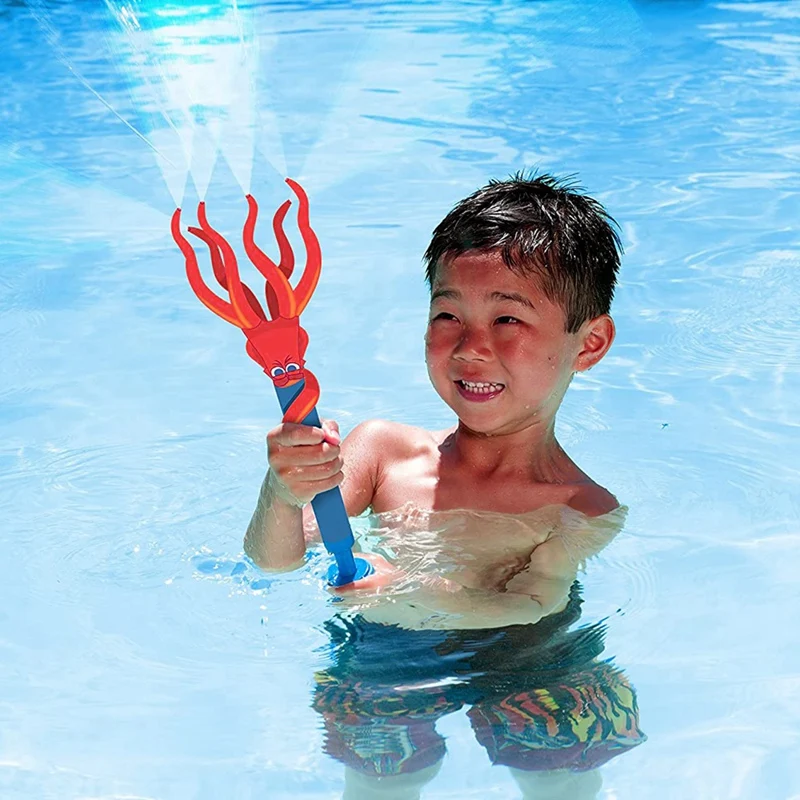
pixel 540 588
pixel 280 529
pixel 528 597
pixel 583 532
pixel 361 450
pixel 274 538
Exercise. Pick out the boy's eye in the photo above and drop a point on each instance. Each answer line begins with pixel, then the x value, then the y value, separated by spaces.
pixel 507 319
pixel 443 315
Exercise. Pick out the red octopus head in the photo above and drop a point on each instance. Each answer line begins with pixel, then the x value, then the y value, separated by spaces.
pixel 280 345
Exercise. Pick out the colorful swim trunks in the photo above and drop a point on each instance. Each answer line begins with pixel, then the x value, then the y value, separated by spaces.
pixel 540 698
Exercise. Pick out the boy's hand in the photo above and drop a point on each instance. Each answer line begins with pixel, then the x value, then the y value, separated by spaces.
pixel 304 460
pixel 385 574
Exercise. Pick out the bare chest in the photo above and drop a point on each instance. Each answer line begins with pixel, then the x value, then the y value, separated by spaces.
pixel 485 548
pixel 427 483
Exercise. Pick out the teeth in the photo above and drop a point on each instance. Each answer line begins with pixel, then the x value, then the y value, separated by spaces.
pixel 481 387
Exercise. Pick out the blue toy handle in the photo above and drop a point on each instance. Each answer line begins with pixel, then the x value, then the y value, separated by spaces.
pixel 334 525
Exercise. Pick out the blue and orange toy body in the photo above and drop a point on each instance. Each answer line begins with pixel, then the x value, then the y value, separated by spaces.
pixel 278 342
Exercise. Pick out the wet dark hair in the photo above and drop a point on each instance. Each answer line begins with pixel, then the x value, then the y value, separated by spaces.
pixel 544 227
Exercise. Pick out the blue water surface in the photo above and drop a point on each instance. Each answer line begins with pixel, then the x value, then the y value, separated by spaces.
pixel 142 655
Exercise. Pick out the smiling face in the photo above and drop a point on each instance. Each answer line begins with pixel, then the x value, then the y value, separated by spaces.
pixel 496 348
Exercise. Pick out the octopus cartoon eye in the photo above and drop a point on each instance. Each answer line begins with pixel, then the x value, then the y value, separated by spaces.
pixel 276 372
pixel 292 367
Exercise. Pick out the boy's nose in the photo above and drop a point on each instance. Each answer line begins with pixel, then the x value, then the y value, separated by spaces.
pixel 472 345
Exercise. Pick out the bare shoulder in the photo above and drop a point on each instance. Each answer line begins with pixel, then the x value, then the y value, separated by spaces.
pixel 385 439
pixel 593 500
pixel 370 451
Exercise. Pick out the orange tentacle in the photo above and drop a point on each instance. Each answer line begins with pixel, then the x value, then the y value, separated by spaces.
pixel 210 300
pixel 285 249
pixel 219 271
pixel 272 302
pixel 216 262
pixel 238 297
pixel 305 401
pixel 265 265
pixel 287 256
pixel 216 256
pixel 305 288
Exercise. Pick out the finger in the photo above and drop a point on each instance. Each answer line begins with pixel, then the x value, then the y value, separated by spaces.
pixel 371 582
pixel 302 456
pixel 331 429
pixel 310 489
pixel 314 472
pixel 290 434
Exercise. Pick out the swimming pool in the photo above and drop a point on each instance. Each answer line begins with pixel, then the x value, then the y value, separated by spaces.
pixel 143 657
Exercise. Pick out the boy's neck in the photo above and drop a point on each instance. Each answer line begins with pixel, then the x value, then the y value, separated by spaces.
pixel 532 454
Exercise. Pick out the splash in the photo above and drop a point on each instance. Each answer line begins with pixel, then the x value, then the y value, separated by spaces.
pixel 39 13
pixel 191 73
pixel 191 70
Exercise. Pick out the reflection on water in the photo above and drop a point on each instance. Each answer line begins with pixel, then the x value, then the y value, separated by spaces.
pixel 483 555
pixel 541 698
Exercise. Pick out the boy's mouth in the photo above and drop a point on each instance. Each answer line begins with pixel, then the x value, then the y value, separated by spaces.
pixel 479 391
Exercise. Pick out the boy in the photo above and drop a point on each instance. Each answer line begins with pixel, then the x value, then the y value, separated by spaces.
pixel 522 276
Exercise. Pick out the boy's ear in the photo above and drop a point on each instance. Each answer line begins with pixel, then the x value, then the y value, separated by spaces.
pixel 596 337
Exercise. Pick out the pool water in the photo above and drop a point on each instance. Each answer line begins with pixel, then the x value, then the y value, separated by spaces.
pixel 143 656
